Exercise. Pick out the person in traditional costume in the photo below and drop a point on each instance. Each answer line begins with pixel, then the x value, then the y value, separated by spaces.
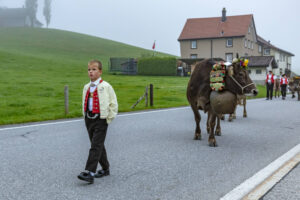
pixel 270 85
pixel 99 108
pixel 283 83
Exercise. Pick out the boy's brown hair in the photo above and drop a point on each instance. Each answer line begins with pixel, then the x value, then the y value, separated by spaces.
pixel 98 62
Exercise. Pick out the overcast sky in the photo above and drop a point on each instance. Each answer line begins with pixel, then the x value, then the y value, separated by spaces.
pixel 140 22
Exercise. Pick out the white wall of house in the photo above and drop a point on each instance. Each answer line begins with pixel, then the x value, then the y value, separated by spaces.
pixel 258 74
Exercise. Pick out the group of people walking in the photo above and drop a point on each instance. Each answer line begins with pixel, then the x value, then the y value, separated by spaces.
pixel 270 81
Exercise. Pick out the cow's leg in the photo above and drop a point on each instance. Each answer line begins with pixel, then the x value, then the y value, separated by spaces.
pixel 212 122
pixel 222 117
pixel 244 104
pixel 207 123
pixel 197 120
pixel 218 128
pixel 232 115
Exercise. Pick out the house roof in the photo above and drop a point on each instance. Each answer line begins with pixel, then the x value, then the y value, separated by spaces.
pixel 201 28
pixel 262 61
pixel 13 13
pixel 268 44
pixel 7 14
pixel 191 61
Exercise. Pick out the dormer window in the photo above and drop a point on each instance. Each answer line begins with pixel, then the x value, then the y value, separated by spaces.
pixel 194 44
pixel 259 48
pixel 266 51
pixel 229 42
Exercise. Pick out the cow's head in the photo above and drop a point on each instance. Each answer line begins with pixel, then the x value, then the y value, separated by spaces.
pixel 238 80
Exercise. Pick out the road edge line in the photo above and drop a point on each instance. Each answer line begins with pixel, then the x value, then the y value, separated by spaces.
pixel 262 189
pixel 250 184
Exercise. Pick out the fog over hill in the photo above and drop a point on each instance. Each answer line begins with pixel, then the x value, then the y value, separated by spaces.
pixel 141 22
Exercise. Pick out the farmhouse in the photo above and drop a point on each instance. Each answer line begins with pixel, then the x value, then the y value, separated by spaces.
pixel 225 36
pixel 16 17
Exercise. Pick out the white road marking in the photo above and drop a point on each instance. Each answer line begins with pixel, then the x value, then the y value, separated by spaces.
pixel 77 120
pixel 269 183
pixel 120 115
pixel 250 184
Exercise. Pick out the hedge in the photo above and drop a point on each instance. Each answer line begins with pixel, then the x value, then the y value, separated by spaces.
pixel 159 66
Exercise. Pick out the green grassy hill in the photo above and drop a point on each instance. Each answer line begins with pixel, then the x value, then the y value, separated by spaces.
pixel 64 46
pixel 36 64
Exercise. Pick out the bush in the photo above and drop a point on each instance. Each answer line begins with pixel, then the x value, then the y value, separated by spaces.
pixel 158 66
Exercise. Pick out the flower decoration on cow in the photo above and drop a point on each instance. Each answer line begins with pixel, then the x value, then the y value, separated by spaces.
pixel 242 61
pixel 217 77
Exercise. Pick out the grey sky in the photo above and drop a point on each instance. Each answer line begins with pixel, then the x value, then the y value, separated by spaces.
pixel 140 22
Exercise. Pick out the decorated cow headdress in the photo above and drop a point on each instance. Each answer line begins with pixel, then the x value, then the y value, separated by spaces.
pixel 242 61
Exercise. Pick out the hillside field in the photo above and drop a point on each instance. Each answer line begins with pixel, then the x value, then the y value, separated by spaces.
pixel 36 64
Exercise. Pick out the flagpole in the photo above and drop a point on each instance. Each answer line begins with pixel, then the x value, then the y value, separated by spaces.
pixel 153 47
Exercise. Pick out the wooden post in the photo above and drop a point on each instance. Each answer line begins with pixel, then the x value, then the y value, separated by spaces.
pixel 151 95
pixel 66 99
pixel 146 96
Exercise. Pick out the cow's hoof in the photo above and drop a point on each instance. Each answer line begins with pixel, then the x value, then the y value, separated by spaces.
pixel 222 117
pixel 244 116
pixel 230 119
pixel 212 143
pixel 218 132
pixel 197 136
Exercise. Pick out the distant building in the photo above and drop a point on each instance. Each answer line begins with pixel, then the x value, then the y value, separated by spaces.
pixel 225 37
pixel 16 17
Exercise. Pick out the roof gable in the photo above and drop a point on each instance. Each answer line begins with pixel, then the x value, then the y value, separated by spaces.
pixel 262 61
pixel 265 43
pixel 201 28
pixel 13 13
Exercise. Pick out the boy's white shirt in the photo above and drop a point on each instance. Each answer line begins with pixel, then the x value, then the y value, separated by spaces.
pixel 92 89
pixel 107 100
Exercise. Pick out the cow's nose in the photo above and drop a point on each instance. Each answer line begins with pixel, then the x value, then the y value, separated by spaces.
pixel 255 92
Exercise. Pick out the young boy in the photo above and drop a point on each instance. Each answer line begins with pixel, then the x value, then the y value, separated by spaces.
pixel 99 108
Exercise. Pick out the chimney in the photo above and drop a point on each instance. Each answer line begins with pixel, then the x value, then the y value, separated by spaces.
pixel 223 15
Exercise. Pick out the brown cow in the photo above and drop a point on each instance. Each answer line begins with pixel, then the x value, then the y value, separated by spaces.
pixel 294 86
pixel 201 96
pixel 277 87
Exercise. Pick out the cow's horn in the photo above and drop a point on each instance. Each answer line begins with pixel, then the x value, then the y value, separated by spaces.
pixel 230 71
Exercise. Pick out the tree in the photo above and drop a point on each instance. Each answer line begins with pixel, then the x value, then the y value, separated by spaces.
pixel 47 11
pixel 31 6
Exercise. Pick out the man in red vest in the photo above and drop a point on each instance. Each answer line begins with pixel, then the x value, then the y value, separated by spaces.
pixel 270 84
pixel 283 83
pixel 99 108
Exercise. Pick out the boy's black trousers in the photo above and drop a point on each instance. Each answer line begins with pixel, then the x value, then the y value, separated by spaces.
pixel 97 129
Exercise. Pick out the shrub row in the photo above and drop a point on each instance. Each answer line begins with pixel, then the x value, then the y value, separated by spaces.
pixel 158 66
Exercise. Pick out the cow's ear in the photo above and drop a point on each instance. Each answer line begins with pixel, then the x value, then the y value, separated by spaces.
pixel 230 71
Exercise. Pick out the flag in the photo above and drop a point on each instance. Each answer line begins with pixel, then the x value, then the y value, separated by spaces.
pixel 153 46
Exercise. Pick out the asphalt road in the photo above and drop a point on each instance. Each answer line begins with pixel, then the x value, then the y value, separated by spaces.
pixel 152 155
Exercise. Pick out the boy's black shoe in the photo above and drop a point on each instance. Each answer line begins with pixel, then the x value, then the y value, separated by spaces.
pixel 86 177
pixel 101 173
